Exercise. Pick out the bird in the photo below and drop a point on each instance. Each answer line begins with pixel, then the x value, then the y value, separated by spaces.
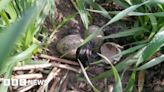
pixel 86 54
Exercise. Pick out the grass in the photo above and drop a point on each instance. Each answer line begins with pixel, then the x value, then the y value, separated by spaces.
pixel 21 25
pixel 147 19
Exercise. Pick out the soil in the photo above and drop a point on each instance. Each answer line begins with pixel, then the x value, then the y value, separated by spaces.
pixel 154 79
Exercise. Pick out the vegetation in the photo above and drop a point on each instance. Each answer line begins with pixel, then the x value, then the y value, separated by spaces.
pixel 22 25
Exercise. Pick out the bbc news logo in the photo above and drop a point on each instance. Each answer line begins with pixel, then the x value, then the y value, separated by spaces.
pixel 22 82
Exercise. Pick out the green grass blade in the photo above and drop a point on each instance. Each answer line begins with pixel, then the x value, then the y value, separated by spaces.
pixel 117 17
pixel 12 61
pixel 118 84
pixel 157 1
pixel 4 18
pixel 131 82
pixel 129 32
pixel 52 9
pixel 129 2
pixel 3 4
pixel 157 14
pixel 130 50
pixel 125 12
pixel 91 36
pixel 9 37
pixel 139 14
pixel 80 7
pixel 22 56
pixel 98 8
pixel 43 11
pixel 152 63
pixel 153 46
pixel 8 74
pixel 121 3
pixel 87 78
pixel 11 11
pixel 120 66
pixel 154 25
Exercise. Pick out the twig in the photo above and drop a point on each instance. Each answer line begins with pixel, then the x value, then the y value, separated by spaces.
pixel 56 80
pixel 52 75
pixel 59 59
pixel 66 67
pixel 28 76
pixel 26 88
pixel 29 67
pixel 64 86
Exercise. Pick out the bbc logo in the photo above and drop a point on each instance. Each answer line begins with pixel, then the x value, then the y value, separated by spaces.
pixel 22 82
pixel 14 82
